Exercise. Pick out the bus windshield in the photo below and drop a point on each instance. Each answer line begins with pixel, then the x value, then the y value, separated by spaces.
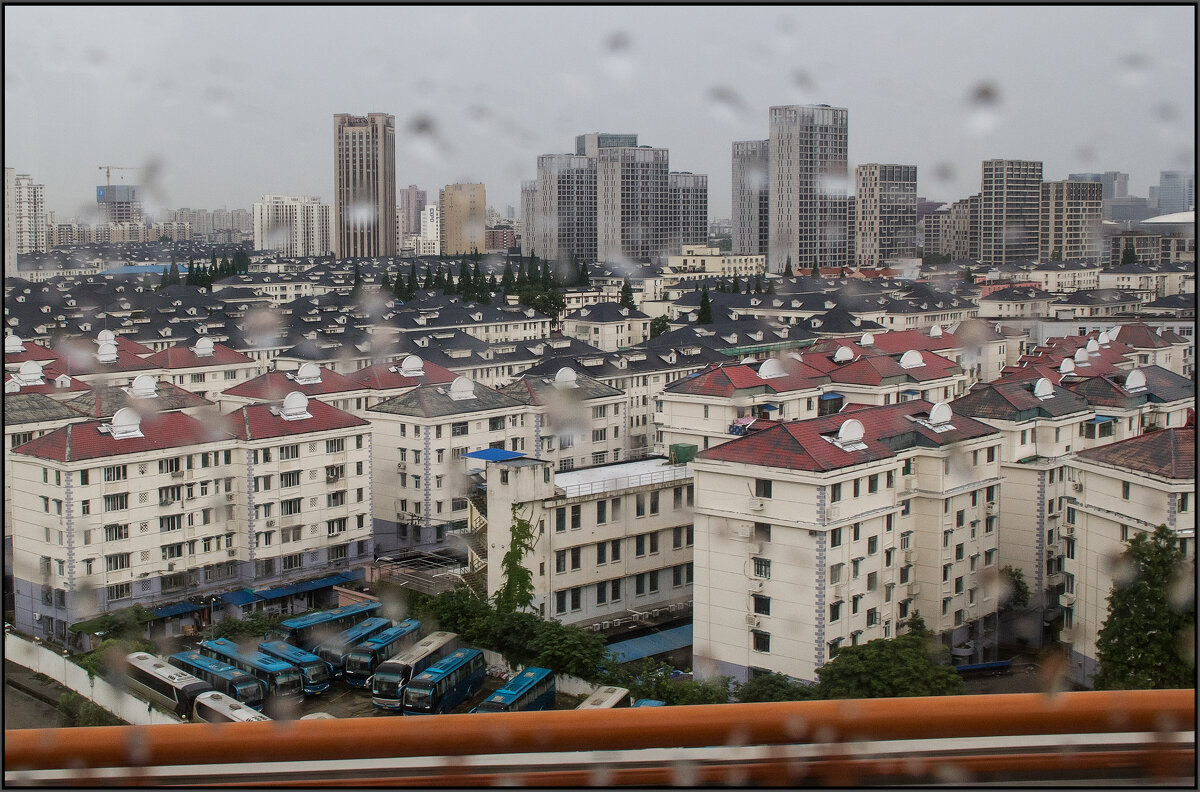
pixel 317 672
pixel 249 691
pixel 358 662
pixel 417 697
pixel 288 682
pixel 386 685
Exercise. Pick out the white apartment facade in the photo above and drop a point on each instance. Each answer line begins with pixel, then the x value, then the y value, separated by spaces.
pixel 296 226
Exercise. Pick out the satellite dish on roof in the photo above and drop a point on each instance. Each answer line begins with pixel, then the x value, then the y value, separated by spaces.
pixel 143 386
pixel 126 423
pixel 566 377
pixel 851 431
pixel 940 414
pixel 912 359
pixel 1135 381
pixel 843 355
pixel 1043 388
pixel 106 337
pixel 770 369
pixel 295 407
pixel 866 340
pixel 412 366
pixel 1067 366
pixel 203 348
pixel 13 345
pixel 935 331
pixel 462 388
pixel 1093 348
pixel 107 353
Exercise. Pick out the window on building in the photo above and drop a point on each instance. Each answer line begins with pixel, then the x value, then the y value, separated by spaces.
pixel 762 641
pixel 835 537
pixel 835 493
pixel 762 568
pixel 762 488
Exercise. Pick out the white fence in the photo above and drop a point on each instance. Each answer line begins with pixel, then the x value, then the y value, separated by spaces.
pixel 51 663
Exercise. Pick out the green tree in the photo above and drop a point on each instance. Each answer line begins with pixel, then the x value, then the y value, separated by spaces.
pixel 1128 254
pixel 522 276
pixel 1016 593
pixel 567 649
pixel 516 593
pixel 551 303
pixel 547 279
pixel 705 314
pixel 770 288
pixel 816 269
pixel 1148 638
pixel 1056 254
pixel 659 325
pixel 627 295
pixel 534 273
pixel 356 289
pixel 465 285
pixel 512 634
pixel 736 288
pixel 907 665
pixel 410 288
pixel 757 283
pixel 773 687
pixel 166 278
pixel 385 283
pixel 429 282
pixel 508 284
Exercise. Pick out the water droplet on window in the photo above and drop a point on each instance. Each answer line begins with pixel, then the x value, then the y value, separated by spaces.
pixel 983 103
pixel 725 104
pixel 1132 69
pixel 943 171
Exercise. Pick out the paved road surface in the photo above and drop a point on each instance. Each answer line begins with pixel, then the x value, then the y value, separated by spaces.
pixel 23 711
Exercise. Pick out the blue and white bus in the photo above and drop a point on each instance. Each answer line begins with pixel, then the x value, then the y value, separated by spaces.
pixel 283 680
pixel 388 681
pixel 215 707
pixel 314 671
pixel 531 689
pixel 311 629
pixel 649 703
pixel 223 677
pixel 360 662
pixel 167 685
pixel 445 684
pixel 334 650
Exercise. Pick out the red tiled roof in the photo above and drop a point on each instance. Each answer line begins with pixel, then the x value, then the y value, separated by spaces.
pixel 78 357
pixel 50 372
pixel 893 342
pixel 32 352
pixel 1142 336
pixel 128 345
pixel 724 380
pixel 256 421
pixel 381 377
pixel 1170 453
pixel 800 445
pixel 274 385
pixel 84 441
pixel 872 369
pixel 179 356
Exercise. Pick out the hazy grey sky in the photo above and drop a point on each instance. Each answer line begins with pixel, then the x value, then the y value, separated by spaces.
pixel 236 102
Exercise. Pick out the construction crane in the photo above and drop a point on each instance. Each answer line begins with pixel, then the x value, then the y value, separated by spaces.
pixel 108 169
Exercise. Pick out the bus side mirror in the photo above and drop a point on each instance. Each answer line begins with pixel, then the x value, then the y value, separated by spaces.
pixel 368 682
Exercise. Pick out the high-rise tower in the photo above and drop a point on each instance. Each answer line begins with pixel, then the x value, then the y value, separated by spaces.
pixel 364 185
pixel 1010 211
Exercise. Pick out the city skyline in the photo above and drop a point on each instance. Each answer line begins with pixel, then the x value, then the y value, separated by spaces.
pixel 956 87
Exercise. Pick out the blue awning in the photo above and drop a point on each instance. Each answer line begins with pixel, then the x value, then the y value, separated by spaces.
pixel 493 454
pixel 769 407
pixel 178 608
pixel 309 585
pixel 652 644
pixel 239 597
pixel 910 392
pixel 825 396
pixel 1099 419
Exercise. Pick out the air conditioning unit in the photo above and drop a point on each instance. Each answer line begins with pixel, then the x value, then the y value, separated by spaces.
pixel 839 590
pixel 909 555
pixel 605 625
pixel 833 512
pixel 1053 549
pixel 401 467
pixel 177 474
pixel 332 479
pixel 270 523
pixel 229 496
pixel 1077 486
pixel 1068 529
pixel 742 533
pixel 595 627
pixel 232 552
pixel 1055 516
pixel 752 620
pixel 1066 600
pixel 654 613
pixel 170 567
pixel 616 622
pixel 990 508
pixel 914 589
pixel 756 504
pixel 37 617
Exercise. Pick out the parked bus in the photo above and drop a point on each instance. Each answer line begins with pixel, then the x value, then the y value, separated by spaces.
pixel 282 679
pixel 311 629
pixel 216 707
pixel 607 698
pixel 531 689
pixel 313 670
pixel 388 681
pixel 222 677
pixel 445 684
pixel 360 662
pixel 333 651
pixel 649 703
pixel 164 684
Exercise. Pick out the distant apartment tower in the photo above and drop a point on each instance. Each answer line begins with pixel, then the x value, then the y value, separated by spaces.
pixel 411 202
pixel 295 226
pixel 885 220
pixel 25 220
pixel 1010 211
pixel 633 202
pixel 687 195
pixel 1176 192
pixel 430 241
pixel 528 215
pixel 960 234
pixel 364 181
pixel 589 145
pixel 933 227
pixel 807 174
pixel 119 203
pixel 1114 183
pixel 1072 212
pixel 751 197
pixel 565 208
pixel 463 213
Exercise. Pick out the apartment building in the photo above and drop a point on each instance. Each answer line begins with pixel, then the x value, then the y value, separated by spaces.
pixel 462 219
pixel 312 380
pixel 565 226
pixel 1118 490
pixel 1010 211
pixel 815 534
pixel 885 221
pixel 293 225
pixel 632 203
pixel 613 543
pixel 364 206
pixel 608 326
pixel 1016 302
pixel 700 261
pixel 205 368
pixel 25 213
pixel 1065 277
pixel 1071 216
pixel 687 212
pixel 751 198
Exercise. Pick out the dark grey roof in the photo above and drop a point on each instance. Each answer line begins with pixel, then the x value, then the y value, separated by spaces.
pixel 433 401
pixel 537 389
pixel 22 408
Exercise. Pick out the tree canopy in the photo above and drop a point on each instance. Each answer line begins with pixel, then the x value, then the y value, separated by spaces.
pixel 903 666
pixel 627 295
pixel 773 687
pixel 705 314
pixel 659 325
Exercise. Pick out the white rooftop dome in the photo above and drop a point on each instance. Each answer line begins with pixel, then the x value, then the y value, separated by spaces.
pixel 843 355
pixel 462 389
pixel 940 414
pixel 866 340
pixel 13 345
pixel 851 431
pixel 107 353
pixel 771 369
pixel 125 423
pixel 566 377
pixel 295 407
pixel 143 386
pixel 106 337
pixel 1043 389
pixel 912 359
pixel 412 366
pixel 203 347
pixel 30 373
pixel 935 331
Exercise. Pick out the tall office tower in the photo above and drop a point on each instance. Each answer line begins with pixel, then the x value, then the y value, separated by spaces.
pixel 807 173
pixel 589 145
pixel 463 212
pixel 119 203
pixel 632 203
pixel 1115 183
pixel 565 209
pixel 295 226
pixel 411 202
pixel 1071 216
pixel 529 212
pixel 886 213
pixel 1010 212
pixel 364 185
pixel 1176 192
pixel 751 197
pixel 960 236
pixel 687 196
